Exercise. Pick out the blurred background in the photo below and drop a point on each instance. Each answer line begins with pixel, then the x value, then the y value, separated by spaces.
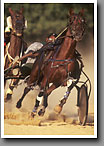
pixel 45 18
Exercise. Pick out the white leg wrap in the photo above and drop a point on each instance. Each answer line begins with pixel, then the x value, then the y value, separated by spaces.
pixel 9 91
pixel 40 99
pixel 69 82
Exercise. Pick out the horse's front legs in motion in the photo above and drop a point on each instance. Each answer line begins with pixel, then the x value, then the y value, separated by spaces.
pixel 43 97
pixel 10 89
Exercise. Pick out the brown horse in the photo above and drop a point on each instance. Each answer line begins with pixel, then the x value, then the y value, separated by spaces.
pixel 16 47
pixel 61 64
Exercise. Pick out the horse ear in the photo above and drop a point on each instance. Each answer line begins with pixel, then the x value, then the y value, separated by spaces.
pixel 81 12
pixel 71 11
pixel 11 11
pixel 22 9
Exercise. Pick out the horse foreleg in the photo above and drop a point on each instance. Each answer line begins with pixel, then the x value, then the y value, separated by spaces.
pixel 70 85
pixel 45 99
pixel 10 89
pixel 26 90
pixel 38 102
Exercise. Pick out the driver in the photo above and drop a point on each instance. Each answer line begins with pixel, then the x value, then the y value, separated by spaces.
pixel 51 38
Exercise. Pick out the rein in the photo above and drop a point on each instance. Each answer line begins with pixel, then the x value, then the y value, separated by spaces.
pixel 70 36
pixel 58 37
pixel 61 32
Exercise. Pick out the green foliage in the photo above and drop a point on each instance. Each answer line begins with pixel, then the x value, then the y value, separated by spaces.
pixel 44 18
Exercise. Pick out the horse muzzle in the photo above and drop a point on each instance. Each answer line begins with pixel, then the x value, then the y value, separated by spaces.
pixel 19 34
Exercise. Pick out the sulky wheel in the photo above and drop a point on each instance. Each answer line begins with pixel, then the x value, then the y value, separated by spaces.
pixel 83 105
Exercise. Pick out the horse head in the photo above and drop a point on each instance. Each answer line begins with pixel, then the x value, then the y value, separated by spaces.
pixel 17 22
pixel 77 24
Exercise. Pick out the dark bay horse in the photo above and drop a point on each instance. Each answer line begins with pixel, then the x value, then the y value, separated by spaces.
pixel 62 64
pixel 16 47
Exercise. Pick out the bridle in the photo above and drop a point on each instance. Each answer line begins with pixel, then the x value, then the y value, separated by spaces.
pixel 76 21
pixel 18 25
pixel 69 25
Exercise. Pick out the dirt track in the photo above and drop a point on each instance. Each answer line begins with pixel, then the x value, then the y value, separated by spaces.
pixel 50 124
pixel 20 122
pixel 47 128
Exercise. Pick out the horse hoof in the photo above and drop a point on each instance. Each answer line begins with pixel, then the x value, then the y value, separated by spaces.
pixel 33 114
pixel 9 96
pixel 5 100
pixel 41 112
pixel 18 105
pixel 58 109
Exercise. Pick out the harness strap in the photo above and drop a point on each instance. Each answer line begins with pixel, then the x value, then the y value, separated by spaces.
pixel 67 61
pixel 9 56
pixel 11 59
pixel 52 60
pixel 7 53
